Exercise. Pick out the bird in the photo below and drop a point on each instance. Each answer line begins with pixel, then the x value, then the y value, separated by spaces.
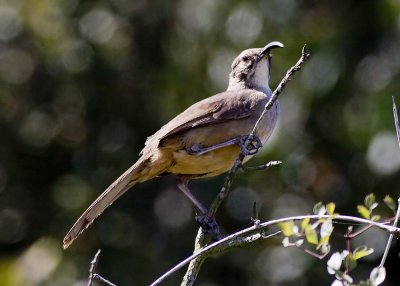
pixel 205 139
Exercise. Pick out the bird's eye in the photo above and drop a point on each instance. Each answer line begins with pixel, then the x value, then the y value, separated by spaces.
pixel 245 58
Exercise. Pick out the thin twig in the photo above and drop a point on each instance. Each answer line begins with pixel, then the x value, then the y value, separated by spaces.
pixel 93 264
pixel 304 57
pixel 396 121
pixel 316 255
pixel 255 233
pixel 348 247
pixel 103 280
pixel 396 219
pixel 263 166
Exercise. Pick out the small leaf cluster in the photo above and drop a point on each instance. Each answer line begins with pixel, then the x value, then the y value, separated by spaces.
pixel 315 233
pixel 341 263
pixel 367 209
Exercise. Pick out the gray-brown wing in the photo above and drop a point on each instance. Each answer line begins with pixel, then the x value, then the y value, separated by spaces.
pixel 229 105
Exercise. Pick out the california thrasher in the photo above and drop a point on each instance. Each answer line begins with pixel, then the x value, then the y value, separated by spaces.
pixel 205 139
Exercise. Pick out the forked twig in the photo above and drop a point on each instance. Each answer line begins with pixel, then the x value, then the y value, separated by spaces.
pixel 92 268
pixel 95 276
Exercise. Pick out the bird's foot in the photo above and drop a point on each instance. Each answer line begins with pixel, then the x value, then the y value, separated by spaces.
pixel 250 144
pixel 209 226
pixel 196 149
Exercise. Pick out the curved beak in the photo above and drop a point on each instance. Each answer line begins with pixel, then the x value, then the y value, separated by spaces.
pixel 268 47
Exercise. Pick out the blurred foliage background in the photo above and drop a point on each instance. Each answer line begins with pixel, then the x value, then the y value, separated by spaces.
pixel 82 83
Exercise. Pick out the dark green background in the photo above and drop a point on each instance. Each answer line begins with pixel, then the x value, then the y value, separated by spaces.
pixel 82 83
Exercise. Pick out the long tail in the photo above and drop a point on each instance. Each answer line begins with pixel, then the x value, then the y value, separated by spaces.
pixel 139 172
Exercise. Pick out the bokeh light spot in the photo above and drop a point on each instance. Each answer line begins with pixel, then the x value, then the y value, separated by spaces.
pixel 282 264
pixel 98 25
pixel 278 11
pixel 10 23
pixel 37 129
pixel 240 203
pixel 113 136
pixel 198 15
pixel 71 130
pixel 71 192
pixel 172 208
pixel 290 205
pixel 322 72
pixel 244 24
pixel 12 226
pixel 76 56
pixel 383 154
pixel 219 67
pixel 39 260
pixel 16 66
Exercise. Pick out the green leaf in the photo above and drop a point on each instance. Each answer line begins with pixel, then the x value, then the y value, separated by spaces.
pixel 330 208
pixel 375 217
pixel 390 203
pixel 361 252
pixel 365 283
pixel 304 223
pixel 324 240
pixel 311 235
pixel 287 227
pixel 319 209
pixel 363 211
pixel 352 262
pixel 369 201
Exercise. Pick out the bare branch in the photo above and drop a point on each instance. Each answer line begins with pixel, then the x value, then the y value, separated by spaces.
pixel 103 280
pixel 257 232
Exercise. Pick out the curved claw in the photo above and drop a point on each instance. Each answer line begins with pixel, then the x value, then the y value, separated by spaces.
pixel 250 145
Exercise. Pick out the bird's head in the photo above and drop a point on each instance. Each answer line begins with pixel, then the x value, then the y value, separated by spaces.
pixel 251 68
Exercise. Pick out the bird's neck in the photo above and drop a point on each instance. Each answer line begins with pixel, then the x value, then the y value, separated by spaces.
pixel 238 84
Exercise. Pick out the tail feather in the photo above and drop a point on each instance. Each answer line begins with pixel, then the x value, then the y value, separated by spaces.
pixel 131 176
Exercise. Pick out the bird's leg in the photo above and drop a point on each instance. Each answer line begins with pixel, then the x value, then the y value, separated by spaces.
pixel 208 224
pixel 182 183
pixel 253 147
